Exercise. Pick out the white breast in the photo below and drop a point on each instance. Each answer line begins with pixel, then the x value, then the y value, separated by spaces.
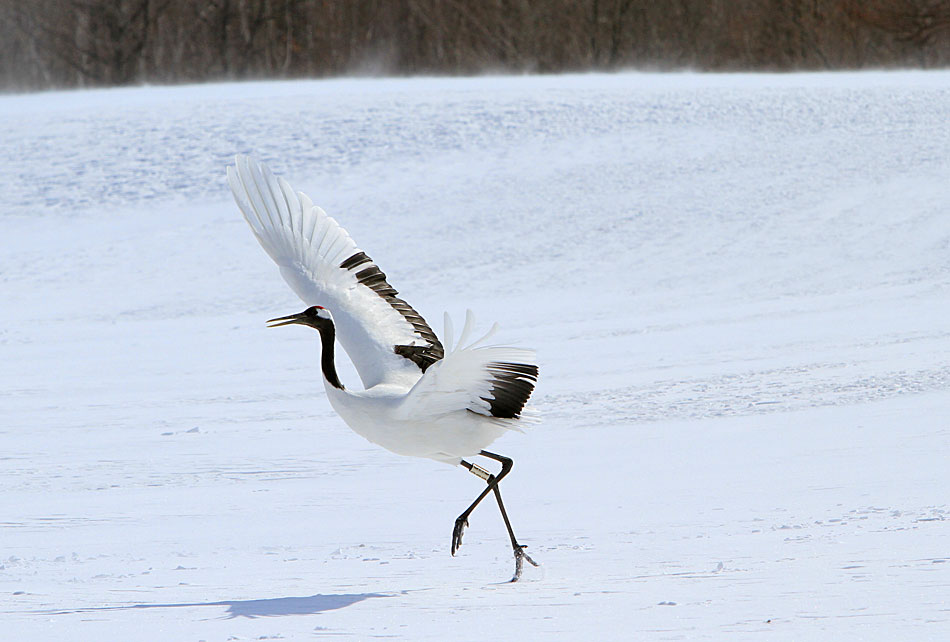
pixel 377 415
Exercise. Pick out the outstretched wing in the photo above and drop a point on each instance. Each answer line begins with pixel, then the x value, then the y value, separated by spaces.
pixel 494 381
pixel 384 337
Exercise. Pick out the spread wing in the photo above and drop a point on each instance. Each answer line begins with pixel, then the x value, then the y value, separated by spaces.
pixel 384 337
pixel 494 381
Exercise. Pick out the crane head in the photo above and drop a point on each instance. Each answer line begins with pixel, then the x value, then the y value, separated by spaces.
pixel 315 316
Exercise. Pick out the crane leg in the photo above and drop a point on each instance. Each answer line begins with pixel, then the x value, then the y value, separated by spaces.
pixel 492 486
pixel 462 520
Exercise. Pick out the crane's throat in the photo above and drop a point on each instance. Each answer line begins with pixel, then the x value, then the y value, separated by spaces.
pixel 327 339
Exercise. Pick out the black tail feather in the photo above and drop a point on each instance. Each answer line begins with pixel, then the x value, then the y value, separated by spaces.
pixel 512 385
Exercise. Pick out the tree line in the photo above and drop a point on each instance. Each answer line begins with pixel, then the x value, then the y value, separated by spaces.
pixel 81 43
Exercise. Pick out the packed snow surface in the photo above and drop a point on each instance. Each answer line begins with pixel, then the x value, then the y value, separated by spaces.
pixel 738 288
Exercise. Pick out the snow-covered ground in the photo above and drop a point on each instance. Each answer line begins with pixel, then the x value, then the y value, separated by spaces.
pixel 738 286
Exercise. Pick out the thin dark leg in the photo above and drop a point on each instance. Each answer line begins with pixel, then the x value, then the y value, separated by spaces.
pixel 492 481
pixel 520 555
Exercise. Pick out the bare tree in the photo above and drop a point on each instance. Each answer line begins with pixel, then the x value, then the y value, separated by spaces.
pixel 46 43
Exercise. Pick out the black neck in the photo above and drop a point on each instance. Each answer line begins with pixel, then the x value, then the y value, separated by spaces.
pixel 327 337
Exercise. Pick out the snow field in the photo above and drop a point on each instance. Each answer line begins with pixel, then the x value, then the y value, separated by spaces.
pixel 737 286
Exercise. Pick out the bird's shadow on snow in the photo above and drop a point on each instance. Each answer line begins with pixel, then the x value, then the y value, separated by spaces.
pixel 269 607
pixel 309 605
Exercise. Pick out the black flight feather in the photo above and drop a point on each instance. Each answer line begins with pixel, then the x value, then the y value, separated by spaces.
pixel 375 279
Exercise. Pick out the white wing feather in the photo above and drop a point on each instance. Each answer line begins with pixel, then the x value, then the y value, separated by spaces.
pixel 462 379
pixel 309 247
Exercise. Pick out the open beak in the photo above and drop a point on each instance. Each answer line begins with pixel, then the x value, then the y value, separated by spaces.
pixel 288 320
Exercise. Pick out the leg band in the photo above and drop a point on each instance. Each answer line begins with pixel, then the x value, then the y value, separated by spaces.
pixel 478 471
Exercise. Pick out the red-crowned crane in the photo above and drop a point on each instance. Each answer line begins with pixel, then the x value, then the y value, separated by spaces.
pixel 419 399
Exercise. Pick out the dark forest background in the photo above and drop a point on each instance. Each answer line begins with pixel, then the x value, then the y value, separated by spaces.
pixel 81 43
